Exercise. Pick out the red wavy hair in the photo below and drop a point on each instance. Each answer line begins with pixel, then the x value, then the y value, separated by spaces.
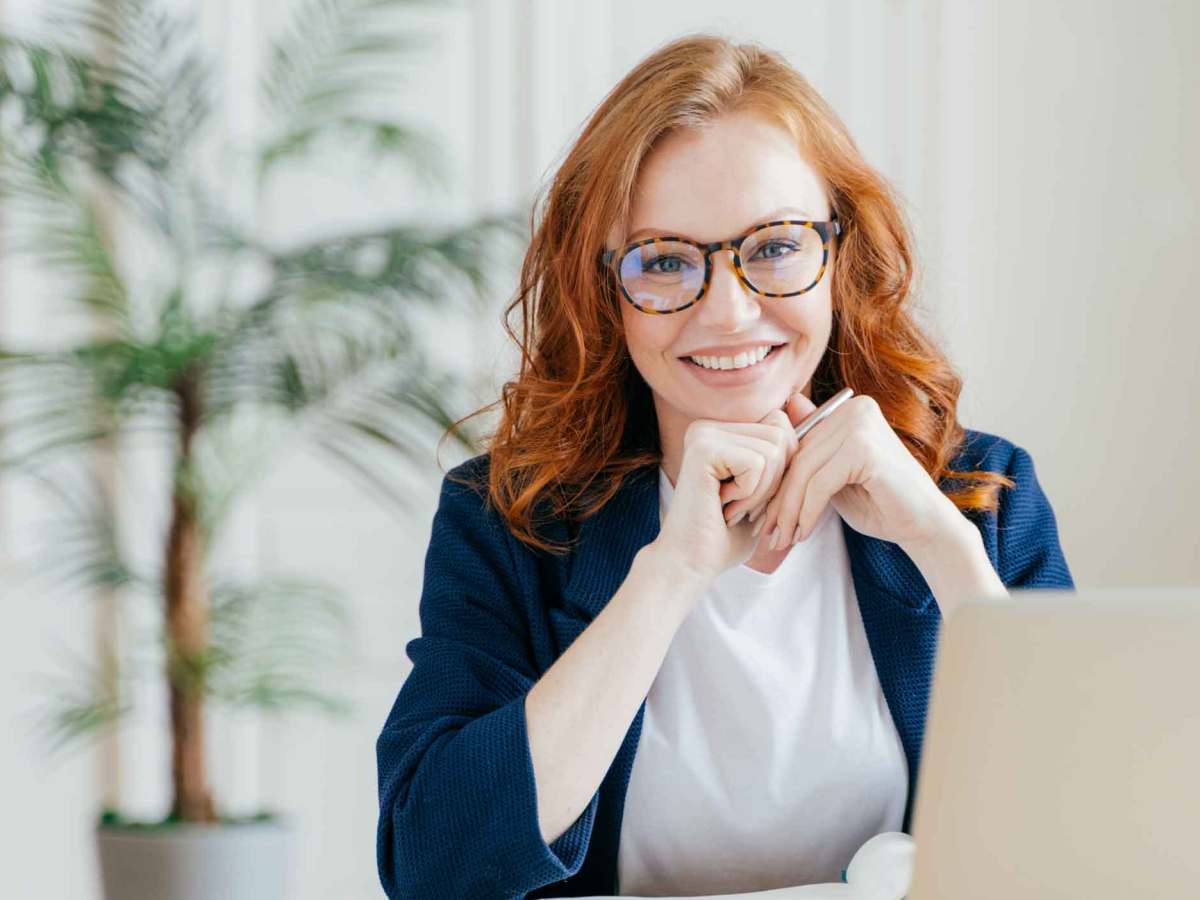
pixel 579 417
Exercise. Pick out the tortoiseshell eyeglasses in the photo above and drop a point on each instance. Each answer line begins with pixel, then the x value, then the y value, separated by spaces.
pixel 667 274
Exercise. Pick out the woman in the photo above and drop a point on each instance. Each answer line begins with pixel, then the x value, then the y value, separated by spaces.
pixel 667 648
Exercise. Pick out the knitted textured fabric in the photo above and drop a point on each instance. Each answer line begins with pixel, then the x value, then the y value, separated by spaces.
pixel 457 800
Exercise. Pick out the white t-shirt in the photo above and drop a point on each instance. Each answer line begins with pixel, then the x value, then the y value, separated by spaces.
pixel 767 755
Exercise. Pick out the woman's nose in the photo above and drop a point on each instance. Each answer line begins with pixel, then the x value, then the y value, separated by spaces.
pixel 727 304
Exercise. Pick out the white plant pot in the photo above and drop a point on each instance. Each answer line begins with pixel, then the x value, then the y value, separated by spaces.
pixel 189 861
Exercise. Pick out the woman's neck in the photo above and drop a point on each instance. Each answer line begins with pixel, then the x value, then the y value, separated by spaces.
pixel 671 428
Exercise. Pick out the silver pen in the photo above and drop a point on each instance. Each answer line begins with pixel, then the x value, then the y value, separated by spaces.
pixel 823 411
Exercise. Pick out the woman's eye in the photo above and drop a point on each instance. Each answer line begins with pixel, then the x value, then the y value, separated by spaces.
pixel 776 245
pixel 670 261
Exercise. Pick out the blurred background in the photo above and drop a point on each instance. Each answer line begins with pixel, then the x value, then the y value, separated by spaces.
pixel 1045 153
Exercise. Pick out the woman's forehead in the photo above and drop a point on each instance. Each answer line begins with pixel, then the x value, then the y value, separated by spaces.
pixel 713 184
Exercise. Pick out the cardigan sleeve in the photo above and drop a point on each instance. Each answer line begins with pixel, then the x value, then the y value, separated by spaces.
pixel 1027 532
pixel 457 798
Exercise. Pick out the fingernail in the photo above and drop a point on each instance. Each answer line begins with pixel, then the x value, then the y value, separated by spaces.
pixel 774 537
pixel 754 515
pixel 737 518
pixel 758 527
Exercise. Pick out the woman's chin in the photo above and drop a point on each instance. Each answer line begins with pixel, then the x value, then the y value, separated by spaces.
pixel 751 408
pixel 747 403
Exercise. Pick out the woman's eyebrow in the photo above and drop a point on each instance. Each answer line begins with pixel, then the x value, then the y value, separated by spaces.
pixel 767 217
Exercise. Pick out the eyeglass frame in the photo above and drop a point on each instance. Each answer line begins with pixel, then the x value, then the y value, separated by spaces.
pixel 826 230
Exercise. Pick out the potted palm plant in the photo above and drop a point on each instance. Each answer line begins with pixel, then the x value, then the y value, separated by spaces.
pixel 201 332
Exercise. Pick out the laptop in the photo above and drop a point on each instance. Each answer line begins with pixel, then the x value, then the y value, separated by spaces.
pixel 1061 755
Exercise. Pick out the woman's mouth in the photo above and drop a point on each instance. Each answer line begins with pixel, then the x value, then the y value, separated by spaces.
pixel 735 376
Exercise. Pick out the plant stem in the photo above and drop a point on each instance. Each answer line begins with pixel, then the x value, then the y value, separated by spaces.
pixel 187 629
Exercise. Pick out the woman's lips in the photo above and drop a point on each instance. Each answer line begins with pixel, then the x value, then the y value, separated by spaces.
pixel 733 377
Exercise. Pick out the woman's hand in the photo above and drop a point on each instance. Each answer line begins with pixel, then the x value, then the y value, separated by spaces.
pixel 854 460
pixel 699 531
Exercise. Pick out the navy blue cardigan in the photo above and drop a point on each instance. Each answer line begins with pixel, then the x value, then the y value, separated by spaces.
pixel 457 808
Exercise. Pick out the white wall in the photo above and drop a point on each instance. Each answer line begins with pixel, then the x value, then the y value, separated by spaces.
pixel 1046 155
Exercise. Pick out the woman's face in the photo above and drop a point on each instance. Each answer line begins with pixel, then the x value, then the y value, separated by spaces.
pixel 712 185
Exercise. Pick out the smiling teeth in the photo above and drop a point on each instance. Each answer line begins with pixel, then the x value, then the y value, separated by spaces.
pixel 741 361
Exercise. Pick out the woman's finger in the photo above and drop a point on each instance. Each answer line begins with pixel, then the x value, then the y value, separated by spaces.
pixel 783 436
pixel 791 444
pixel 825 482
pixel 817 447
pixel 772 463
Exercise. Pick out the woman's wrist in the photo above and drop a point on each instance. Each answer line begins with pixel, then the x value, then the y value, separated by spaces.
pixel 680 580
pixel 956 566
pixel 947 527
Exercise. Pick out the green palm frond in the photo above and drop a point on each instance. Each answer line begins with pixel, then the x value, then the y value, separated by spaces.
pixel 305 352
pixel 351 379
pixel 80 550
pixel 327 74
pixel 63 106
pixel 59 228
pixel 378 137
pixel 65 401
pixel 51 405
pixel 366 433
pixel 151 64
pixel 321 372
pixel 381 269
pixel 128 115
pixel 430 263
pixel 230 455
pixel 86 696
pixel 275 642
